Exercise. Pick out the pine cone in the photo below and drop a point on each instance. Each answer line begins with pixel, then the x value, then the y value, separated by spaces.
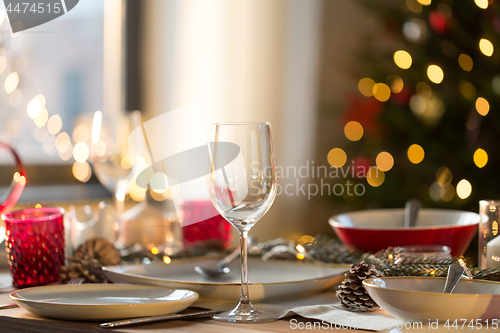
pixel 352 293
pixel 88 261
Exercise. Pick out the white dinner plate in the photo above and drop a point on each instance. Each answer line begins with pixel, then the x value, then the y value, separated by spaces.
pixel 268 279
pixel 102 301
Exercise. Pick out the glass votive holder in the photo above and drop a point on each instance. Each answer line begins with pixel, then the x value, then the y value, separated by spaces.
pixel 426 251
pixel 489 243
pixel 197 229
pixel 35 245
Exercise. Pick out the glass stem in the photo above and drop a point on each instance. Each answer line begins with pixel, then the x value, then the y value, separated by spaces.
pixel 244 268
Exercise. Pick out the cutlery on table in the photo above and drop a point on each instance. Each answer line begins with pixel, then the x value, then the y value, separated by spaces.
pixel 174 316
pixel 412 208
pixel 455 272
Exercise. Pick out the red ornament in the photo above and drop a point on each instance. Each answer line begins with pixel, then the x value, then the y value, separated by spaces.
pixel 363 110
pixel 438 22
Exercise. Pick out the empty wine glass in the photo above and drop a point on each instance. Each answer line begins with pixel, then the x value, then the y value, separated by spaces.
pixel 242 187
pixel 110 156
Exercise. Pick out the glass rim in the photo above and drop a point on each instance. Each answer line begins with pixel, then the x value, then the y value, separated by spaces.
pixel 489 202
pixel 53 213
pixel 253 123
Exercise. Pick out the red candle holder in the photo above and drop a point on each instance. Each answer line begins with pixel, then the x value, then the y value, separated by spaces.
pixel 197 230
pixel 35 245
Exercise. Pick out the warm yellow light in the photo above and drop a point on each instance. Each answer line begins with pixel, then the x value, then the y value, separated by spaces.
pixel 486 47
pixel 480 158
pixel 375 177
pixel 482 106
pixel 300 256
pixel 414 6
pixel 467 90
pixel 154 250
pixel 402 59
pixel 34 107
pixel 464 189
pixel 447 192
pixel 41 118
pixel 381 92
pixel 424 2
pixel 38 205
pixel 396 83
pixel 81 133
pixel 435 74
pixel 483 4
pixel 384 161
pixel 63 142
pixel 54 124
pixel 337 157
pixel 159 182
pixel 306 239
pixel 16 176
pixel 416 154
pixel 443 176
pixel 81 152
pixel 465 62
pixel 300 248
pixel 353 131
pixel 22 180
pixel 96 126
pixel 82 171
pixel 136 192
pixel 167 260
pixel 365 86
pixel 11 82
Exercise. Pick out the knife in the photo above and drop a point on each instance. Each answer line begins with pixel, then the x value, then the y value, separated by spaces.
pixel 174 316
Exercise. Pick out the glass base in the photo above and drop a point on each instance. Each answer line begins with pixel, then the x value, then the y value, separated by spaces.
pixel 245 313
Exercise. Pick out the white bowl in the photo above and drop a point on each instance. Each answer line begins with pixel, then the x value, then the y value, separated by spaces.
pixel 420 299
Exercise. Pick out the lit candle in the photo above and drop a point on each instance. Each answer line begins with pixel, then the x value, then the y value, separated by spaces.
pixel 493 253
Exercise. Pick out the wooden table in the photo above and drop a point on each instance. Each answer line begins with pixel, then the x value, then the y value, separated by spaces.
pixel 19 321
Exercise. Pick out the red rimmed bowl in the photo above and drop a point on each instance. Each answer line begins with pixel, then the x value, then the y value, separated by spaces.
pixel 374 230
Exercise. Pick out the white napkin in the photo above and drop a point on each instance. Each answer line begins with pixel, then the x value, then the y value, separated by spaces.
pixel 324 306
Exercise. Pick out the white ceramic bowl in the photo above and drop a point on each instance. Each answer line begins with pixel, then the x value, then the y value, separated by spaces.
pixel 420 299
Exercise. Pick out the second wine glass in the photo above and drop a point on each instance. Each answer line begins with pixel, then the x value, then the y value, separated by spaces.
pixel 242 187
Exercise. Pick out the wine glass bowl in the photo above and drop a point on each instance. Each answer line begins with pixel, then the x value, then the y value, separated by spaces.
pixel 242 187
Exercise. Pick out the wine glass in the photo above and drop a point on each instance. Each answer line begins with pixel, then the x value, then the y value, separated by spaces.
pixel 242 187
pixel 110 155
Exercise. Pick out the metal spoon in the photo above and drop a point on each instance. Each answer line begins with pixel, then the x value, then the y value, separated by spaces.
pixel 412 207
pixel 454 275
pixel 221 267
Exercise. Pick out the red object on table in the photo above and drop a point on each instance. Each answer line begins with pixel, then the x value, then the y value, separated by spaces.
pixel 375 230
pixel 35 245
pixel 215 228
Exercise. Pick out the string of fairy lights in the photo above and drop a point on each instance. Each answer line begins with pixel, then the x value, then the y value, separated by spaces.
pixel 426 105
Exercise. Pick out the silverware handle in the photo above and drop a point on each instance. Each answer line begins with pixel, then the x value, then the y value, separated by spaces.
pixel 151 319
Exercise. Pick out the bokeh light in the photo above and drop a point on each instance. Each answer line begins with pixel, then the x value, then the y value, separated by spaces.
pixel 416 154
pixel 81 152
pixel 435 74
pixel 395 83
pixel 443 176
pixel 402 59
pixel 381 92
pixel 424 2
pixel 375 177
pixel 384 161
pixel 415 29
pixel 159 182
pixel 353 131
pixel 486 47
pixel 464 189
pixel 34 107
pixel 465 62
pixel 365 86
pixel 54 124
pixel 82 171
pixel 467 90
pixel 480 158
pixel 81 133
pixel 482 106
pixel 42 117
pixel 483 4
pixel 11 82
pixel 63 142
pixel 337 157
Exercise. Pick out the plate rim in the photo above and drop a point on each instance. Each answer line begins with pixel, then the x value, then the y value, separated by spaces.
pixel 14 295
pixel 208 283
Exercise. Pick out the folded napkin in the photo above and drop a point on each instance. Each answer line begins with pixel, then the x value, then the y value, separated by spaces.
pixel 324 306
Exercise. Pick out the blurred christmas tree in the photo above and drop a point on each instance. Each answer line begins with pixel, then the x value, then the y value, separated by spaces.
pixel 426 118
